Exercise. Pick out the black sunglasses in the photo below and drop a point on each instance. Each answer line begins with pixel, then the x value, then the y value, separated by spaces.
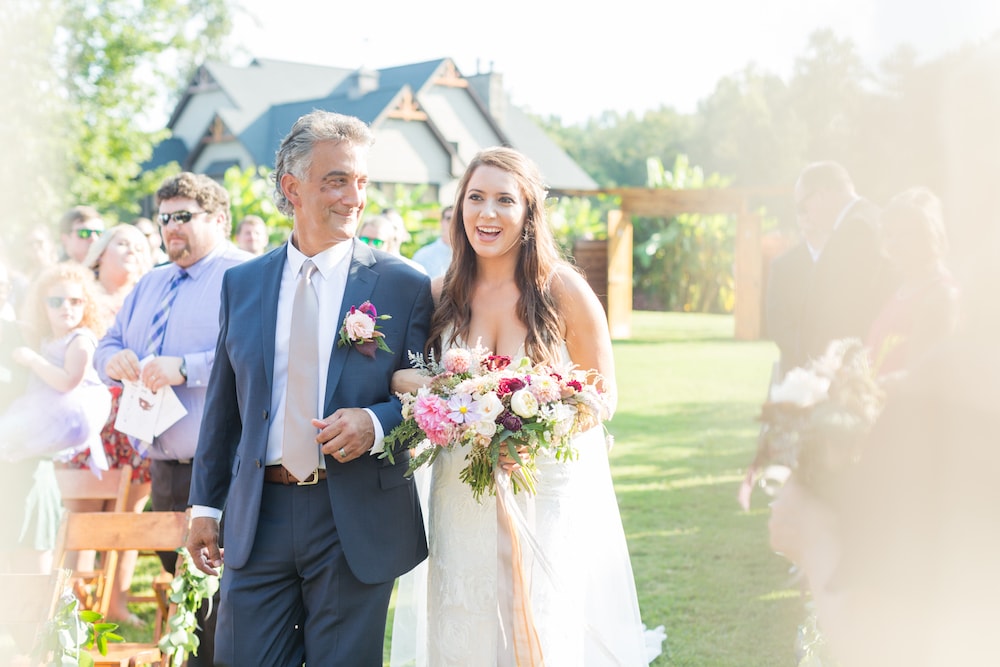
pixel 57 301
pixel 85 233
pixel 180 216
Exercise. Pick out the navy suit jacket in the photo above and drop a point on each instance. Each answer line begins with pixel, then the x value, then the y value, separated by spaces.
pixel 375 507
pixel 848 285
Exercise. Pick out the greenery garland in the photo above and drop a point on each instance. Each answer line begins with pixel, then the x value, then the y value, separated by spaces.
pixel 68 636
pixel 187 590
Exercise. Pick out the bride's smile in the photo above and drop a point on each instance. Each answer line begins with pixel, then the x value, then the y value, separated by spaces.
pixel 493 212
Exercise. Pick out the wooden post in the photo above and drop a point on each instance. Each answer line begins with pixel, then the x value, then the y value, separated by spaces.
pixel 620 274
pixel 749 291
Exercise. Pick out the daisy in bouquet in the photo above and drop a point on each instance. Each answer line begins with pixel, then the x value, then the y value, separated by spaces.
pixel 814 421
pixel 495 405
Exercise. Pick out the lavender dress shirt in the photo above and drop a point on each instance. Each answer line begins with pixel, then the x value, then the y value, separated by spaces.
pixel 192 332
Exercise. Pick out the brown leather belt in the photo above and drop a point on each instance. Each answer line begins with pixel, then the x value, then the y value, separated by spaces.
pixel 279 475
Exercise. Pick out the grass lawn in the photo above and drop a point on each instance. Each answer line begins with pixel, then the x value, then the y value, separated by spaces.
pixel 684 433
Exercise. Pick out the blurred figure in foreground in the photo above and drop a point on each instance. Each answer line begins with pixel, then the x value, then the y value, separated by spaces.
pixel 924 309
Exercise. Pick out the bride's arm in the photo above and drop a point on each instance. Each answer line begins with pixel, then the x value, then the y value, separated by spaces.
pixel 409 380
pixel 587 337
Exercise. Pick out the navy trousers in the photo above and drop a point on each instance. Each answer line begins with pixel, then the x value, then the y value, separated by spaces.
pixel 296 601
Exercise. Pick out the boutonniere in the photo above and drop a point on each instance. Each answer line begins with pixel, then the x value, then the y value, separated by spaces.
pixel 362 331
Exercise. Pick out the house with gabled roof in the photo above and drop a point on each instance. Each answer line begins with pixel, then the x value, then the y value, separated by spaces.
pixel 429 120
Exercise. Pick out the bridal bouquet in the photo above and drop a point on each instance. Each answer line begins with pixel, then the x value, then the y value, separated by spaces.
pixel 815 419
pixel 495 405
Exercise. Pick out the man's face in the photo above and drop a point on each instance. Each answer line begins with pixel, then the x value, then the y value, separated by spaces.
pixel 252 238
pixel 81 236
pixel 188 242
pixel 329 199
pixel 446 227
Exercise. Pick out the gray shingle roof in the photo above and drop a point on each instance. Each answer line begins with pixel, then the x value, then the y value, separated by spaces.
pixel 267 96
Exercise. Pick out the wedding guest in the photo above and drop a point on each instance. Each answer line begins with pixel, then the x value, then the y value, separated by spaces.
pixel 165 335
pixel 316 528
pixel 924 309
pixel 39 252
pixel 840 291
pixel 64 405
pixel 251 235
pixel 436 256
pixel 118 259
pixel 379 231
pixel 151 231
pixel 15 478
pixel 509 290
pixel 79 227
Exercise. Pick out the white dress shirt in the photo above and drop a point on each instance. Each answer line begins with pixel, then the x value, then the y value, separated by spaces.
pixel 329 281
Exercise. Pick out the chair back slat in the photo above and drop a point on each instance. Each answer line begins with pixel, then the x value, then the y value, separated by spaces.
pixel 80 484
pixel 122 531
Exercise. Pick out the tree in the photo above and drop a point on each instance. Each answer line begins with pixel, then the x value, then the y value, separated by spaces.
pixel 87 73
pixel 613 148
pixel 747 130
pixel 33 177
pixel 118 56
pixel 684 263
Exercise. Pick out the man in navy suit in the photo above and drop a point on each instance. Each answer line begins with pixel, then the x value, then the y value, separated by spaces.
pixel 310 562
pixel 836 280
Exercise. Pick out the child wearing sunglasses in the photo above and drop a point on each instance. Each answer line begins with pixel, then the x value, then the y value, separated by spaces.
pixel 65 404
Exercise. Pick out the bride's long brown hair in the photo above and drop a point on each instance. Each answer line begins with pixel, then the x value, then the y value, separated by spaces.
pixel 538 262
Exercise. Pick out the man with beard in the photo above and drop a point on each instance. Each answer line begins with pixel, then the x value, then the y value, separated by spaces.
pixel 166 331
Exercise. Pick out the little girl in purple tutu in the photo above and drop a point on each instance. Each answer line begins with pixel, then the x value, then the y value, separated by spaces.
pixel 65 405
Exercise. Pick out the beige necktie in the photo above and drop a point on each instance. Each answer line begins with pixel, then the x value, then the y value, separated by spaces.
pixel 300 452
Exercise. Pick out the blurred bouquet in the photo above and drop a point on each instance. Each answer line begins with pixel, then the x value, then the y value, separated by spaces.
pixel 815 420
pixel 484 400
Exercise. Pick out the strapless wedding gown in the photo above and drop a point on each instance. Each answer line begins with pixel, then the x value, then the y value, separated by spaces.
pixel 585 608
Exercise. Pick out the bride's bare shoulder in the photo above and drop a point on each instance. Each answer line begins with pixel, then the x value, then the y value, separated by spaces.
pixel 569 285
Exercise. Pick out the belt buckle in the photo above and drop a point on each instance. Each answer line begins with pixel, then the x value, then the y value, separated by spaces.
pixel 306 482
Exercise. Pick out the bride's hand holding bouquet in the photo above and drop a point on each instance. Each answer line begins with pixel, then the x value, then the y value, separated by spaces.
pixel 506 411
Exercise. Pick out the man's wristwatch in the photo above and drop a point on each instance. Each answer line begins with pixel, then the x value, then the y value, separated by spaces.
pixel 184 369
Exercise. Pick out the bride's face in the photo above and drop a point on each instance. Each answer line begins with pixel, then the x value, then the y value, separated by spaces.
pixel 493 212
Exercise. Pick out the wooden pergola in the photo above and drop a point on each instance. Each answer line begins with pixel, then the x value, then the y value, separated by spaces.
pixel 741 203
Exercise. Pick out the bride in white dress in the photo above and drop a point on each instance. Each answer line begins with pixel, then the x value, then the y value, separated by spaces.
pixel 558 589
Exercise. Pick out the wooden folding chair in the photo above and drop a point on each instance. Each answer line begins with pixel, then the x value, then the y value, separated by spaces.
pixel 124 531
pixel 95 587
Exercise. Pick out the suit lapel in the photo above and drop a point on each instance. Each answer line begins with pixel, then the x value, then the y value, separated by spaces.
pixel 361 279
pixel 270 285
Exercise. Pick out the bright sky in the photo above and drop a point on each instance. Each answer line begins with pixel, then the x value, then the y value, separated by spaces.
pixel 576 59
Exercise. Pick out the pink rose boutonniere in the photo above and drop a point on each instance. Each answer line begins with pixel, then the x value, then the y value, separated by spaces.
pixel 362 331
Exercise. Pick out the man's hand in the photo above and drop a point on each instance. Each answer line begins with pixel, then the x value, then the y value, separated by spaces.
pixel 346 434
pixel 203 545
pixel 162 371
pixel 123 365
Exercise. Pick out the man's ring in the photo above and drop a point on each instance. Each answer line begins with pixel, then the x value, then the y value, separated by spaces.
pixel 342 452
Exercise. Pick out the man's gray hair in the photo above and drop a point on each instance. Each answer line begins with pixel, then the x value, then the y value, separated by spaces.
pixel 295 153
